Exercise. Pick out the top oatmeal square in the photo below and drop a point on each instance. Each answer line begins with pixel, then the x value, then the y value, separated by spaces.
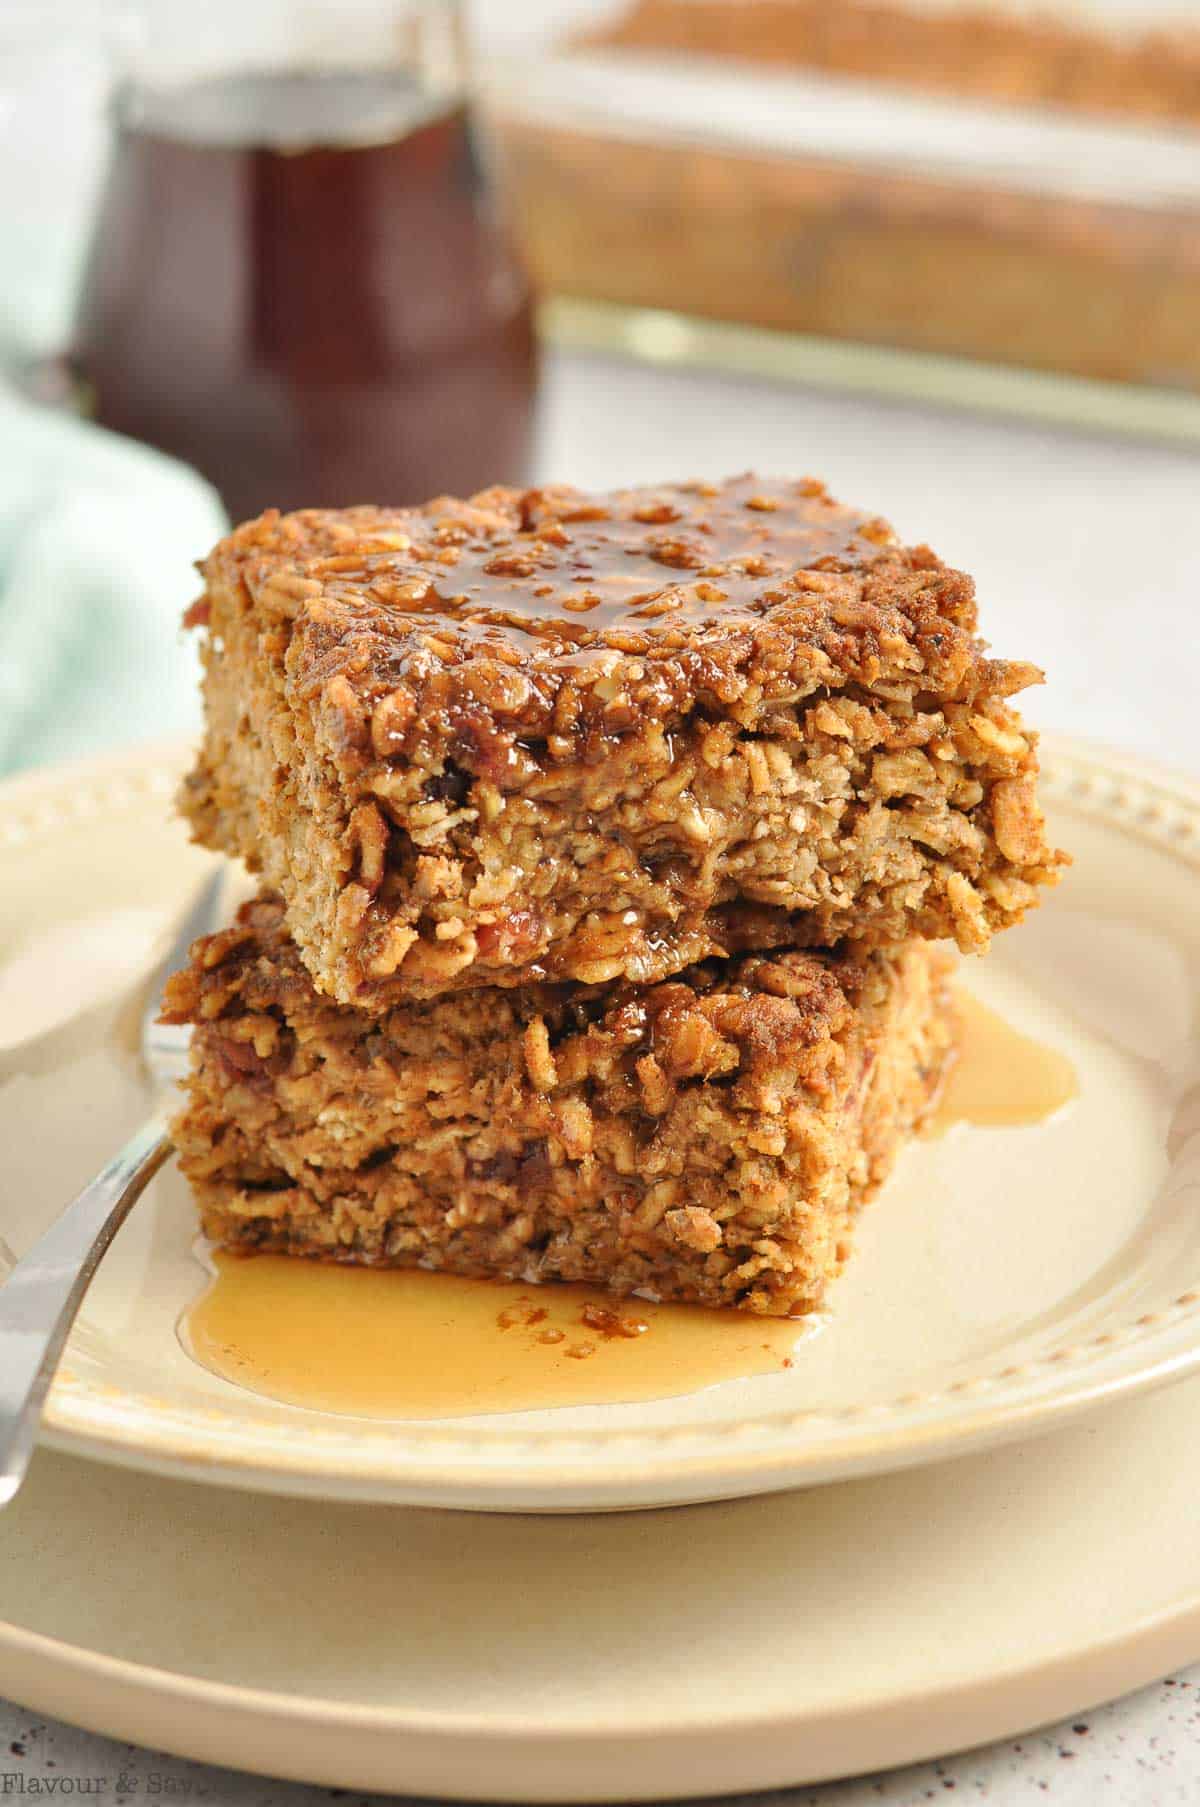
pixel 547 735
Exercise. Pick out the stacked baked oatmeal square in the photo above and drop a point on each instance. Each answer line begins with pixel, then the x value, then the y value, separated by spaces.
pixel 606 844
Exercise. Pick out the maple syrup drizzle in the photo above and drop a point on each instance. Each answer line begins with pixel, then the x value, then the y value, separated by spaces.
pixel 1002 1079
pixel 403 1343
pixel 580 565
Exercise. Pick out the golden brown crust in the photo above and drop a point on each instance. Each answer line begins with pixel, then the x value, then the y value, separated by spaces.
pixel 707 1138
pixel 545 735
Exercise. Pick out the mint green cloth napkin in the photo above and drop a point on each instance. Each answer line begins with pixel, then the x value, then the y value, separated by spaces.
pixel 98 536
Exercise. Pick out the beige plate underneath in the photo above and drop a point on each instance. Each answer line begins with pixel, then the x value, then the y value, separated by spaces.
pixel 1005 1280
pixel 608 1657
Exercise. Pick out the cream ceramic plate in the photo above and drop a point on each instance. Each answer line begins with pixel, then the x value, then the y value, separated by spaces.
pixel 601 1658
pixel 1006 1280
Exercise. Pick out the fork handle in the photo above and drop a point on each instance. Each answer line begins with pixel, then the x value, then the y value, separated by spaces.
pixel 42 1293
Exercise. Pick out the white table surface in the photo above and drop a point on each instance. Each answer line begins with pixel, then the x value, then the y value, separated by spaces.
pixel 1087 557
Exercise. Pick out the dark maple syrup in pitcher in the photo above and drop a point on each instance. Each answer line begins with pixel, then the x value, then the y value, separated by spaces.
pixel 300 284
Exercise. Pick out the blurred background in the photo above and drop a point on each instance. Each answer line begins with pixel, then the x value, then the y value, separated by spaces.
pixel 291 252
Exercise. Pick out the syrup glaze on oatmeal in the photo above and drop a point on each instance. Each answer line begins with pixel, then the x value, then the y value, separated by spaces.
pixel 404 1343
pixel 571 570
pixel 580 563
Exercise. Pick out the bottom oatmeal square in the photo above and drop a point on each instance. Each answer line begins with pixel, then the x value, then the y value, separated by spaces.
pixel 705 1139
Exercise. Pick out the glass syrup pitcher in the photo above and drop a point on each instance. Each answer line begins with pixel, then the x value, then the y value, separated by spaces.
pixel 301 280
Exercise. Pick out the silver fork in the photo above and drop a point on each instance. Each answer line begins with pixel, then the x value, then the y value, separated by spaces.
pixel 43 1292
